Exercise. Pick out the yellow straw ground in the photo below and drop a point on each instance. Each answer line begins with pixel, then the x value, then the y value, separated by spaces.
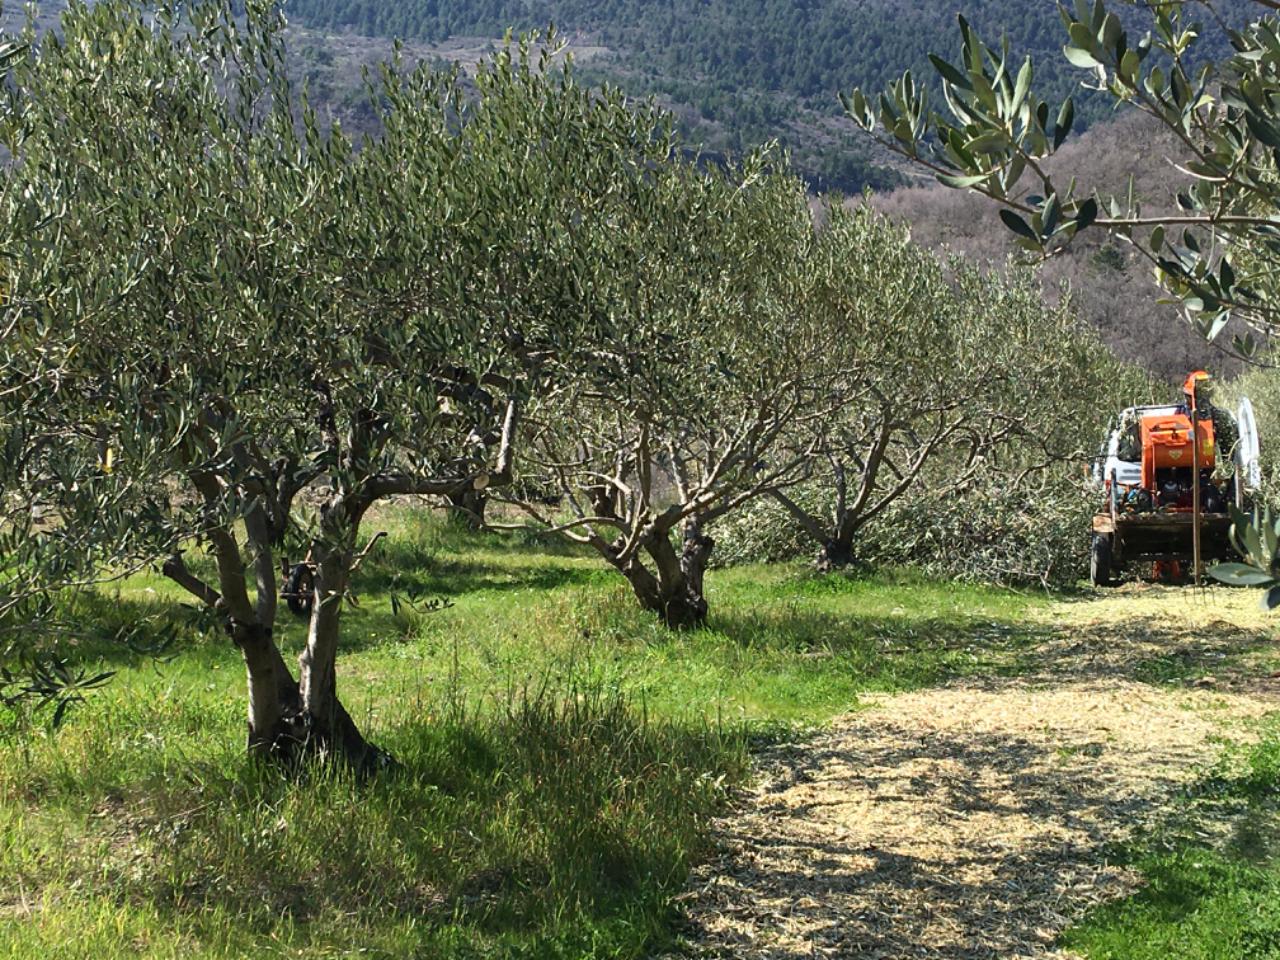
pixel 974 820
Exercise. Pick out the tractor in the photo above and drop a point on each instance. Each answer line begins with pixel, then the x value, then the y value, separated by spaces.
pixel 1164 499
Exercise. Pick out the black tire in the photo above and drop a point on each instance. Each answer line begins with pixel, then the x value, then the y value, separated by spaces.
pixel 1100 561
pixel 299 590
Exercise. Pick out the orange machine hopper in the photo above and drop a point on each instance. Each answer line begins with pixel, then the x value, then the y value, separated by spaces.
pixel 1166 442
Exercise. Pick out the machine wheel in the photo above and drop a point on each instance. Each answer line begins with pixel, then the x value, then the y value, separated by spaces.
pixel 299 588
pixel 1100 561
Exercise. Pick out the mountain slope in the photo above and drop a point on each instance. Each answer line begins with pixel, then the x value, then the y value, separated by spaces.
pixel 738 72
pixel 1111 284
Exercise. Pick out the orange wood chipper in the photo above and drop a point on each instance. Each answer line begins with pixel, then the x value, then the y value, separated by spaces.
pixel 1165 497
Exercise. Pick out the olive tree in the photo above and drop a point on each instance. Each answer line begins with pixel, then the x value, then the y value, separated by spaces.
pixel 217 305
pixel 680 418
pixel 944 373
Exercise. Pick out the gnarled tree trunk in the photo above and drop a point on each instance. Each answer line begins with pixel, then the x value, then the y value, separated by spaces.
pixel 323 726
pixel 836 554
pixel 467 507
pixel 274 700
pixel 837 533
pixel 676 591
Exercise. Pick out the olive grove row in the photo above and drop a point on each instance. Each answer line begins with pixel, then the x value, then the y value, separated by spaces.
pixel 229 332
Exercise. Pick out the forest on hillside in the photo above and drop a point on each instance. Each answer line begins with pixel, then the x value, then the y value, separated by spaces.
pixel 740 72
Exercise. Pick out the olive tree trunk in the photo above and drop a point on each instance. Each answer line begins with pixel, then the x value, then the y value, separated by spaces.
pixel 674 589
pixel 467 508
pixel 274 699
pixel 324 727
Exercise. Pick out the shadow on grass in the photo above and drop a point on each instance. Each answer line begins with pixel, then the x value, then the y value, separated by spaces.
pixel 1146 651
pixel 127 631
pixel 562 820
pixel 896 652
pixel 422 537
pixel 920 648
pixel 1211 869
pixel 969 632
pixel 455 577
pixel 434 556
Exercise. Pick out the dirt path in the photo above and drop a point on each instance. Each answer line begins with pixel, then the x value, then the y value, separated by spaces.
pixel 973 820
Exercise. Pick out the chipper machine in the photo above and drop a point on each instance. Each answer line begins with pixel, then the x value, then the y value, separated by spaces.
pixel 1165 500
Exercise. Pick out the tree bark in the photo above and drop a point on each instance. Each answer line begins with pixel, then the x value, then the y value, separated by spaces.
pixel 323 727
pixel 273 699
pixel 467 508
pixel 273 693
pixel 836 554
pixel 836 551
pixel 675 593
pixel 693 564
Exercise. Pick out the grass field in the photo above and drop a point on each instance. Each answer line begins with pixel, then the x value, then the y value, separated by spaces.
pixel 561 754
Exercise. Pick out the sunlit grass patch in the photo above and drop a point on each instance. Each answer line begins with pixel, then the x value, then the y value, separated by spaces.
pixel 561 754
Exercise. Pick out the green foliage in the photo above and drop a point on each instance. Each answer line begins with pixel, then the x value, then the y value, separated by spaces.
pixel 802 49
pixel 1261 384
pixel 1256 538
pixel 685 421
pixel 943 377
pixel 763 531
pixel 1197 904
pixel 49 685
pixel 995 531
pixel 1255 532
pixel 1216 253
pixel 218 302
pixel 557 825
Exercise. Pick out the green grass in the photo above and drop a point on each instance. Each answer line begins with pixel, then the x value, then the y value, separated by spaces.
pixel 561 755
pixel 1210 893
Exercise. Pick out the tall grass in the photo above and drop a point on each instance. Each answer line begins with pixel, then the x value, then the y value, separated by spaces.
pixel 557 817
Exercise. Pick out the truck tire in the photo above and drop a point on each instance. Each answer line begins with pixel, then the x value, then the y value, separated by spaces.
pixel 1100 561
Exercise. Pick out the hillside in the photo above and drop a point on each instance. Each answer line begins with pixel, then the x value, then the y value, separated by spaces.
pixel 739 72
pixel 1111 284
pixel 735 73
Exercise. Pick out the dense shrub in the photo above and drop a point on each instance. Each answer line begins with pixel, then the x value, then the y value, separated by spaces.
pixel 761 531
pixel 1035 533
